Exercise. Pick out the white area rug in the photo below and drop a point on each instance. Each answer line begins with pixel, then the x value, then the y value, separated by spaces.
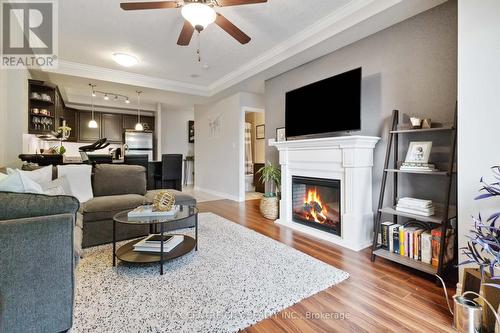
pixel 236 278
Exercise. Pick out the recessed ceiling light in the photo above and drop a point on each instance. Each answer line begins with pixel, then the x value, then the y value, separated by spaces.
pixel 125 60
pixel 194 76
pixel 206 66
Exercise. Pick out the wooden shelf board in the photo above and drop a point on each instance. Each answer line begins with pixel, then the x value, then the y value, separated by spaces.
pixel 41 101
pixel 436 218
pixel 421 266
pixel 434 173
pixel 424 130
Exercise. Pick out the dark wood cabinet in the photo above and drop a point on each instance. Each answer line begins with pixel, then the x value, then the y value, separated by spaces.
pixel 41 107
pixel 129 121
pixel 71 117
pixel 85 133
pixel 112 127
pixel 148 123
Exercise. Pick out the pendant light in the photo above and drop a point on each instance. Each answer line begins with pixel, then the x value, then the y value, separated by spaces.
pixel 92 122
pixel 138 126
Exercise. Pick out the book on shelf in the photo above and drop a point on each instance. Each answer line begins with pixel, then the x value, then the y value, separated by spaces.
pixel 395 238
pixel 148 245
pixel 436 244
pixel 417 254
pixel 426 247
pixel 384 234
pixel 426 167
pixel 390 235
pixel 402 236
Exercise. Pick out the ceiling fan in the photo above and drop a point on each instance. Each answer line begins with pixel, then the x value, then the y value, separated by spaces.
pixel 198 14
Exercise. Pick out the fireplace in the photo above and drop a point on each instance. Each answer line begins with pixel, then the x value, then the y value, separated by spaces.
pixel 316 203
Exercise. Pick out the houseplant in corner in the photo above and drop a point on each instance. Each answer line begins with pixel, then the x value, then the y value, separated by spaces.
pixel 483 252
pixel 269 204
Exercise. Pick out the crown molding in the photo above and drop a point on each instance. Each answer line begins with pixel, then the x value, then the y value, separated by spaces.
pixel 341 19
pixel 112 75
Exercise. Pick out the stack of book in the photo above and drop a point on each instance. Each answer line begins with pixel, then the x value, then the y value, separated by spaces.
pixel 424 167
pixel 415 206
pixel 152 243
pixel 415 242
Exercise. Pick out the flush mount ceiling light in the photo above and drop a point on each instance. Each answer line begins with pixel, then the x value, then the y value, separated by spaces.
pixel 199 15
pixel 125 60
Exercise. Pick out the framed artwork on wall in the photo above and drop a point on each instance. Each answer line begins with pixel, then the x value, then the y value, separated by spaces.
pixel 280 134
pixel 191 131
pixel 260 132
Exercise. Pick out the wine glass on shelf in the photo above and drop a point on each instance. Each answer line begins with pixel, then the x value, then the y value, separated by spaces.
pixel 36 122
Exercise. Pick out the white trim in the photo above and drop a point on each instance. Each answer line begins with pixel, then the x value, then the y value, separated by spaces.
pixel 219 194
pixel 113 75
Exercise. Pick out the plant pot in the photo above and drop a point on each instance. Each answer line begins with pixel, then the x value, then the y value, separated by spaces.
pixel 269 207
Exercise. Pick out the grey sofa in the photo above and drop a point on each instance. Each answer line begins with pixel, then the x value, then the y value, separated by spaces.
pixel 117 188
pixel 37 261
pixel 41 240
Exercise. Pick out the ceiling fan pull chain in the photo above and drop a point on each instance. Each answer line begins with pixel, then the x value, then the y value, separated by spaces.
pixel 199 47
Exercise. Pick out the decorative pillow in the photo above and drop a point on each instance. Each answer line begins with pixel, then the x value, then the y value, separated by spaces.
pixel 59 186
pixel 18 182
pixel 42 176
pixel 78 177
pixel 2 176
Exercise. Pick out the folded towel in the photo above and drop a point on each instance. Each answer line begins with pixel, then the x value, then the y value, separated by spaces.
pixel 415 202
pixel 417 207
pixel 416 212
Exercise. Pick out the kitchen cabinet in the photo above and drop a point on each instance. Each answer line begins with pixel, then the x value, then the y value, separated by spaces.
pixel 86 134
pixel 148 123
pixel 129 121
pixel 71 117
pixel 112 127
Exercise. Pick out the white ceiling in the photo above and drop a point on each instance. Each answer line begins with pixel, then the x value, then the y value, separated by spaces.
pixel 285 34
pixel 91 30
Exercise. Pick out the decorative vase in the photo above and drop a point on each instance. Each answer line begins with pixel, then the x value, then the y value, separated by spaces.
pixel 269 207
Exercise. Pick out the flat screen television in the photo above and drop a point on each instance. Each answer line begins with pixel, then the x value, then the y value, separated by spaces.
pixel 325 107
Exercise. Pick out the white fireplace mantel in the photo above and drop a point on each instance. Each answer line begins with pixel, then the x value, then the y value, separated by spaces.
pixel 346 158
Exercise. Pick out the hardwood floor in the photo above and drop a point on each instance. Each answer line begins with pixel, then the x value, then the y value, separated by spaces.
pixel 378 297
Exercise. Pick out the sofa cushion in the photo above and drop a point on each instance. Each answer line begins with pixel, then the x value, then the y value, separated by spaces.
pixel 180 197
pixel 78 237
pixel 114 179
pixel 105 207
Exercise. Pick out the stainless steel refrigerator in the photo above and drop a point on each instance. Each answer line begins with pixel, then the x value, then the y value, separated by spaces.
pixel 138 143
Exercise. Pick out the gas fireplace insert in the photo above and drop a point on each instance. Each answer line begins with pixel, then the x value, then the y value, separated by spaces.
pixel 316 203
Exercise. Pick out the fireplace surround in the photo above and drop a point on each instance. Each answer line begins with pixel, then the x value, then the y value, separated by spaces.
pixel 348 160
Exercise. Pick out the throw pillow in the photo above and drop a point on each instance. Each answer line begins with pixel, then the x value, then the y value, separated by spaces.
pixel 78 177
pixel 42 176
pixel 17 182
pixel 59 186
pixel 2 176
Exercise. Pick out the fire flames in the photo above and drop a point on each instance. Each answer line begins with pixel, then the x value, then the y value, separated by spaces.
pixel 314 207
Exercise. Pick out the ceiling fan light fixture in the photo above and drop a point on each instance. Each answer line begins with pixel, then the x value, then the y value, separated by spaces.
pixel 199 15
pixel 126 60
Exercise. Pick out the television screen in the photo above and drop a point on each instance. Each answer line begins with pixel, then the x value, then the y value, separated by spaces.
pixel 324 107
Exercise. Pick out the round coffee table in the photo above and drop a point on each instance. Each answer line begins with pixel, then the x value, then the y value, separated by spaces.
pixel 126 252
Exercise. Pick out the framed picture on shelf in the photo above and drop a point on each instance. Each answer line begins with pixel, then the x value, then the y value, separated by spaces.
pixel 191 131
pixel 260 132
pixel 419 152
pixel 280 134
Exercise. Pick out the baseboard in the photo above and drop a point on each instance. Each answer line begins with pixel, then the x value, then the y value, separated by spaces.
pixel 219 194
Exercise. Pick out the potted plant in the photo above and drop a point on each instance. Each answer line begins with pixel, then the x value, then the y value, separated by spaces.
pixel 269 204
pixel 483 252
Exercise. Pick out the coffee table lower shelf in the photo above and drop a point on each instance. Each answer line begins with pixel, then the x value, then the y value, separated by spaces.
pixel 127 254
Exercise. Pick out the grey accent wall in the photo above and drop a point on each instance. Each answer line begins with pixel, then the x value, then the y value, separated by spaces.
pixel 411 66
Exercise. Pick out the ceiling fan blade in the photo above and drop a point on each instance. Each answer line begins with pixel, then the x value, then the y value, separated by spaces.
pixel 148 5
pixel 224 3
pixel 186 34
pixel 231 29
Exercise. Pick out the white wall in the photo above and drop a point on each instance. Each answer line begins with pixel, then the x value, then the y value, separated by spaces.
pixel 479 106
pixel 13 114
pixel 174 132
pixel 219 148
